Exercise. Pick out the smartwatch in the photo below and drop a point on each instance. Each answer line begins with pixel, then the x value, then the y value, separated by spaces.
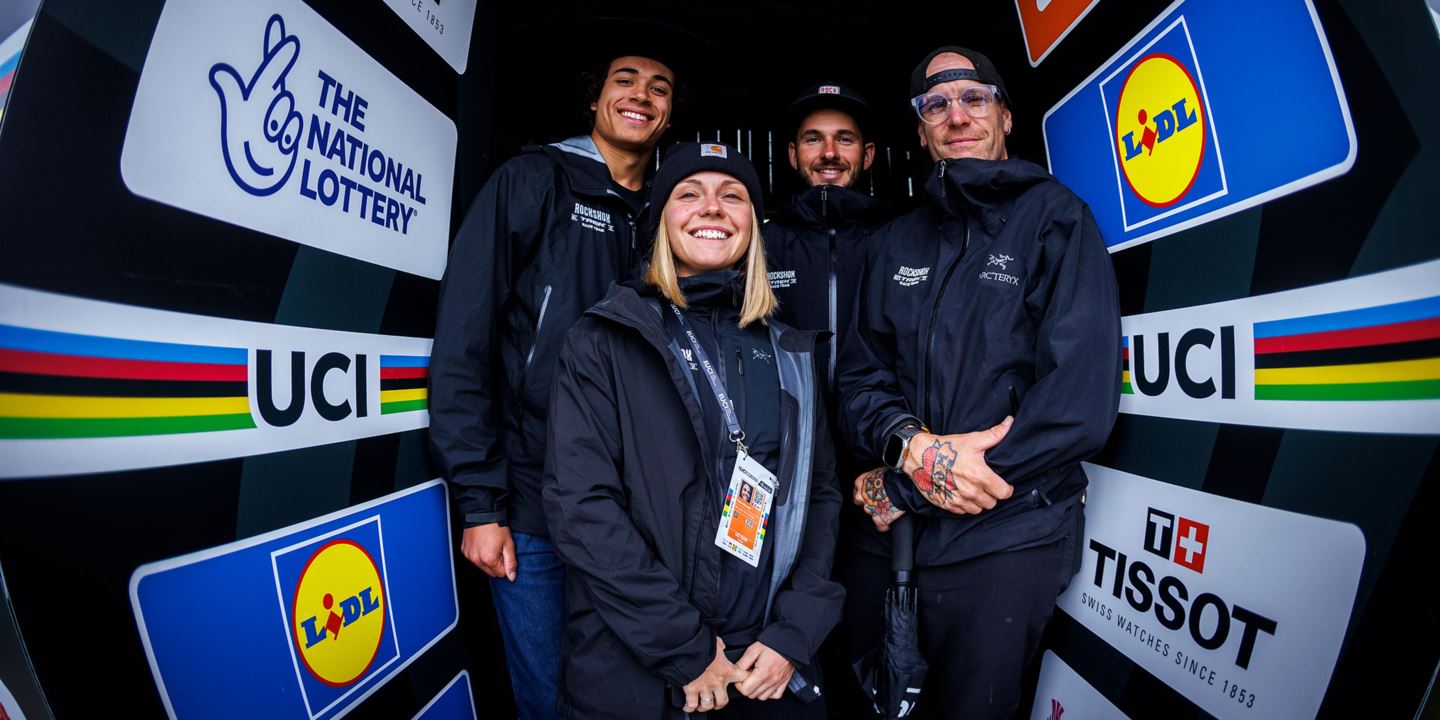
pixel 894 454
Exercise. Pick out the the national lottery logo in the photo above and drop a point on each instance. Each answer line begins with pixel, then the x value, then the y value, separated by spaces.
pixel 1166 153
pixel 338 613
pixel 263 135
pixel 1180 540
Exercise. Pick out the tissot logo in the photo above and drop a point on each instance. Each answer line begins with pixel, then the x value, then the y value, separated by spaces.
pixel 1225 601
pixel 1189 551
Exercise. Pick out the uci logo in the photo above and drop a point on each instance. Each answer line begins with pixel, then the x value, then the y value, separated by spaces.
pixel 1159 130
pixel 338 613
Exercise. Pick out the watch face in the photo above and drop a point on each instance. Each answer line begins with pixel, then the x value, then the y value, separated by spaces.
pixel 894 450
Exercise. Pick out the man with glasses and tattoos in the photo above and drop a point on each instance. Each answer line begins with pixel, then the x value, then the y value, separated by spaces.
pixel 982 368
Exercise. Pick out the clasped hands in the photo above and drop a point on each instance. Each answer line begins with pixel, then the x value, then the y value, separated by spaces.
pixel 760 674
pixel 949 471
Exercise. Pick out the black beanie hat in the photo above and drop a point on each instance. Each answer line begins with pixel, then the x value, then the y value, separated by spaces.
pixel 985 71
pixel 685 159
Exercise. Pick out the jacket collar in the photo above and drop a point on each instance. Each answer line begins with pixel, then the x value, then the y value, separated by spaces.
pixel 582 164
pixel 830 206
pixel 982 190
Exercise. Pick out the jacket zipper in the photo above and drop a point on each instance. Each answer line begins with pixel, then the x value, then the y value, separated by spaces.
pixel 930 416
pixel 530 356
pixel 834 316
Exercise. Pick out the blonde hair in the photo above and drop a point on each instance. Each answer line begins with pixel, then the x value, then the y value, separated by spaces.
pixel 759 304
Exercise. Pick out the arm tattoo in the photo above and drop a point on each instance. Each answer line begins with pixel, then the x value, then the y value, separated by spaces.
pixel 933 477
pixel 877 502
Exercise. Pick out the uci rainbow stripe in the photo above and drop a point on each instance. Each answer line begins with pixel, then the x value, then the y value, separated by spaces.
pixel 1388 352
pixel 67 385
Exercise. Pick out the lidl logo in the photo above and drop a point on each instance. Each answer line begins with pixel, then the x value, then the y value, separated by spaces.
pixel 1164 141
pixel 338 639
pixel 1216 106
pixel 1160 123
pixel 337 611
pixel 320 614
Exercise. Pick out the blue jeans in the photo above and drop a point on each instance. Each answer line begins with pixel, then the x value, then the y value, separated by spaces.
pixel 532 622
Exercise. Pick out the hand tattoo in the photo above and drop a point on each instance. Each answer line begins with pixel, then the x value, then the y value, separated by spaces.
pixel 933 477
pixel 877 501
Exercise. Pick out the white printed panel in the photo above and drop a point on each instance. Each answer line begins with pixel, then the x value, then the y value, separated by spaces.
pixel 1062 692
pixel 445 26
pixel 263 115
pixel 1353 355
pixel 1225 601
pixel 209 388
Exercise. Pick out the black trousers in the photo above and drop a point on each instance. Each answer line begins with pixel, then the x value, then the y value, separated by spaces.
pixel 980 624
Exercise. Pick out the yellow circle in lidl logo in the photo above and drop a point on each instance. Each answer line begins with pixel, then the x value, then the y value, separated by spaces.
pixel 339 613
pixel 1160 130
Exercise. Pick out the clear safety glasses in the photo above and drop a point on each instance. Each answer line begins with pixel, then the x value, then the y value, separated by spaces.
pixel 976 101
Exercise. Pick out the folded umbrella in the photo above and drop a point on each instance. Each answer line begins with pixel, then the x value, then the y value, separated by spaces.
pixel 892 674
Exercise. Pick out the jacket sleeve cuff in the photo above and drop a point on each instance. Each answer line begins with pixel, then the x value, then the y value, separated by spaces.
pixel 897 488
pixel 792 648
pixel 486 518
pixel 689 666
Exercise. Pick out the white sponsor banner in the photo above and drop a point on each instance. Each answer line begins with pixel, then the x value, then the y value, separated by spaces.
pixel 1349 356
pixel 445 26
pixel 1062 691
pixel 116 387
pixel 263 115
pixel 1225 601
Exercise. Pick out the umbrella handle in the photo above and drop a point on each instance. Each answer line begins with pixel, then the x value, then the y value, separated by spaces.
pixel 902 549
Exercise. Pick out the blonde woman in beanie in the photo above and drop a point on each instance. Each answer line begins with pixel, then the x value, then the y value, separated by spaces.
pixel 689 479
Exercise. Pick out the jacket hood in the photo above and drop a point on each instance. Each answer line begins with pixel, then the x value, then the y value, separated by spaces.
pixel 983 190
pixel 582 163
pixel 831 205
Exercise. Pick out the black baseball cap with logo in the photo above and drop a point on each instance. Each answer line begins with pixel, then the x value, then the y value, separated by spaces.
pixel 984 72
pixel 828 96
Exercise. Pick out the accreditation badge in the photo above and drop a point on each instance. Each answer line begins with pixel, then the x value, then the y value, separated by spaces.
pixel 747 510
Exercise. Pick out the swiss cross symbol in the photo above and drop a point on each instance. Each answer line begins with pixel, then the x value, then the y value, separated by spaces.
pixel 1190 547
pixel 1175 538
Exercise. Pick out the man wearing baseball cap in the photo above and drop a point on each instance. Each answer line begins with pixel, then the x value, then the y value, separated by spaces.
pixel 548 234
pixel 815 244
pixel 981 371
pixel 815 247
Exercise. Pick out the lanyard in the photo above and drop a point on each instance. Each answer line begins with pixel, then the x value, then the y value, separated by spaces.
pixel 717 385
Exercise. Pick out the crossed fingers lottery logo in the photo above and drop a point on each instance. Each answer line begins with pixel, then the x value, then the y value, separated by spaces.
pixel 259 125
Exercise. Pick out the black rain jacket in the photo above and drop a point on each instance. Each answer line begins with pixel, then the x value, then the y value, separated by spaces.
pixel 542 242
pixel 997 297
pixel 814 250
pixel 629 491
